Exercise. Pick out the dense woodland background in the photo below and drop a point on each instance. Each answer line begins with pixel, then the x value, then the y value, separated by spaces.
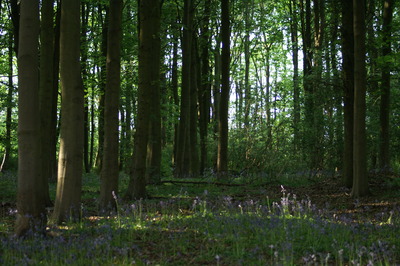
pixel 160 89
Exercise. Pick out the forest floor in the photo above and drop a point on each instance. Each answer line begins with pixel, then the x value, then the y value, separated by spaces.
pixel 287 221
pixel 329 194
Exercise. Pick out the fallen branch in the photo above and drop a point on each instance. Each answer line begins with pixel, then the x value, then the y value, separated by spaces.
pixel 201 183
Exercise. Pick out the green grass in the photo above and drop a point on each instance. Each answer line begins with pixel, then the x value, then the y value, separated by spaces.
pixel 204 224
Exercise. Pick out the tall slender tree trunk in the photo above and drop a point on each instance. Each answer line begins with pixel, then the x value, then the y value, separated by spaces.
pixel 318 91
pixel 149 78
pixel 193 111
pixel 360 175
pixel 384 154
pixel 293 6
pixel 46 93
pixel 247 91
pixel 7 145
pixel 15 18
pixel 205 87
pixel 182 167
pixel 70 163
pixel 84 58
pixel 30 202
pixel 216 91
pixel 55 129
pixel 309 105
pixel 110 170
pixel 154 144
pixel 102 86
pixel 348 90
pixel 222 160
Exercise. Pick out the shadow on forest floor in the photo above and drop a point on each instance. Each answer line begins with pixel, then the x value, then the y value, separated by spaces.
pixel 208 221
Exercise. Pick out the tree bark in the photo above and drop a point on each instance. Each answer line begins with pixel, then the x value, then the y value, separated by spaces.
pixel 222 159
pixel 296 86
pixel 7 145
pixel 384 154
pixel 149 78
pixel 70 163
pixel 84 58
pixel 46 94
pixel 102 84
pixel 348 89
pixel 30 202
pixel 309 104
pixel 110 170
pixel 15 18
pixel 154 144
pixel 193 116
pixel 360 178
pixel 205 86
pixel 182 167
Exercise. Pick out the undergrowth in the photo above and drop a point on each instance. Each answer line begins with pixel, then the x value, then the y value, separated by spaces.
pixel 204 224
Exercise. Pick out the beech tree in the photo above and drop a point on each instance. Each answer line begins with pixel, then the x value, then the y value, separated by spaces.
pixel 30 202
pixel 110 168
pixel 149 78
pixel 222 161
pixel 70 162
pixel 384 155
pixel 47 96
pixel 182 167
pixel 348 90
pixel 360 176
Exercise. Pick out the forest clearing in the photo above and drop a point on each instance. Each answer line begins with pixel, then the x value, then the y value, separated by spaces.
pixel 209 222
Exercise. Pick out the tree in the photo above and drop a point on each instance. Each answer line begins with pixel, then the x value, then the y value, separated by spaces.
pixel 205 85
pixel 309 105
pixel 348 90
pixel 182 167
pixel 295 48
pixel 110 168
pixel 47 94
pixel 30 203
pixel 360 178
pixel 7 146
pixel 70 162
pixel 384 155
pixel 102 82
pixel 149 76
pixel 222 160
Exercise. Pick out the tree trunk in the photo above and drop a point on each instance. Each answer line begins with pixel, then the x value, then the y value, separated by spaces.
pixel 30 202
pixel 174 88
pixel 155 135
pixel 193 116
pixel 182 154
pixel 384 155
pixel 309 105
pixel 102 84
pixel 85 76
pixel 46 92
pixel 222 159
pixel 15 18
pixel 110 168
pixel 205 87
pixel 348 89
pixel 7 146
pixel 296 87
pixel 360 178
pixel 154 144
pixel 70 163
pixel 149 77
